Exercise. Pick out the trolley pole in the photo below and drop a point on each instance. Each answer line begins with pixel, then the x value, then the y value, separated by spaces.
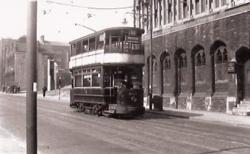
pixel 31 75
pixel 150 58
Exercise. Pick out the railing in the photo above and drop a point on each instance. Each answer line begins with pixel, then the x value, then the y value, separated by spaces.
pixel 124 47
pixel 118 47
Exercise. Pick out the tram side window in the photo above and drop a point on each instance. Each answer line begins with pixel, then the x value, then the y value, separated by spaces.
pixel 73 49
pixel 78 48
pixel 96 80
pixel 116 41
pixel 92 44
pixel 85 47
pixel 100 42
pixel 135 46
pixel 100 45
pixel 78 81
pixel 86 80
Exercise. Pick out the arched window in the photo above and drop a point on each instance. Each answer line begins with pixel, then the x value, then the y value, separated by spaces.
pixel 218 57
pixel 221 58
pixel 221 55
pixel 224 55
pixel 200 58
pixel 181 69
pixel 166 71
pixel 203 58
pixel 199 63
pixel 182 60
pixel 166 63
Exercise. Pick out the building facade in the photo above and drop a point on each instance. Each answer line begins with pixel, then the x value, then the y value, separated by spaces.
pixel 52 59
pixel 200 52
pixel 7 56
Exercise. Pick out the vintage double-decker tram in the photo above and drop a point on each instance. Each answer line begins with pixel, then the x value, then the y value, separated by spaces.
pixel 107 72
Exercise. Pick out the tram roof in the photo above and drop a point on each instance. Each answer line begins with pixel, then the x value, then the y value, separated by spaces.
pixel 103 30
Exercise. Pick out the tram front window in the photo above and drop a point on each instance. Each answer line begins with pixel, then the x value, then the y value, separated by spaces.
pixel 78 81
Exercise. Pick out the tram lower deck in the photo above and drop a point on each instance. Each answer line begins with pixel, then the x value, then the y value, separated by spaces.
pixel 117 90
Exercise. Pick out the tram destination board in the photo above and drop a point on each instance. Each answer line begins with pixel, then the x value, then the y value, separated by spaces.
pixel 133 39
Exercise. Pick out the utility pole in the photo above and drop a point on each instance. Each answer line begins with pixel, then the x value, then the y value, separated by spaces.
pixel 31 76
pixel 150 59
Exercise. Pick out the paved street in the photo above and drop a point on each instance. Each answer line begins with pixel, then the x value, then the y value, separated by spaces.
pixel 64 130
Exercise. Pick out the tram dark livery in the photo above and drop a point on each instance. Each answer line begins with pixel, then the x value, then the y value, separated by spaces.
pixel 106 71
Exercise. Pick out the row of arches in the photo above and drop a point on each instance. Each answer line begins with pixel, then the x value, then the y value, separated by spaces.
pixel 202 70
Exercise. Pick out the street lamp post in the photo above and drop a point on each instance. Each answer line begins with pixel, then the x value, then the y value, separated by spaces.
pixel 149 3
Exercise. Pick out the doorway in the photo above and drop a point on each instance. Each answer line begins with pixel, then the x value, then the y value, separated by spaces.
pixel 243 73
pixel 247 80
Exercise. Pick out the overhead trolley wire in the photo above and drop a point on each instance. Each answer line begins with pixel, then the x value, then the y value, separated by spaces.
pixel 88 7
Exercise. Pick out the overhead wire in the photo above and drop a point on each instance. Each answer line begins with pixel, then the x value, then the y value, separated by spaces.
pixel 88 7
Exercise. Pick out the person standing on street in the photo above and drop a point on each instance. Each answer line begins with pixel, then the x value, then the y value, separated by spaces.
pixel 44 91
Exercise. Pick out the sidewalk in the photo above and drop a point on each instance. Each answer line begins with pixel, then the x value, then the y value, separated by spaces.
pixel 50 96
pixel 10 144
pixel 205 116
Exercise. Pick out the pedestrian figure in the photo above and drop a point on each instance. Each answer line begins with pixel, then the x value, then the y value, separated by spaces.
pixel 44 91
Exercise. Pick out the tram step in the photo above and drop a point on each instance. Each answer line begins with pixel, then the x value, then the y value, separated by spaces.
pixel 241 111
pixel 244 105
pixel 108 113
pixel 245 102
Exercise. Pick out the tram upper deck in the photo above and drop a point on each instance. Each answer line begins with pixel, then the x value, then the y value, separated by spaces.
pixel 119 45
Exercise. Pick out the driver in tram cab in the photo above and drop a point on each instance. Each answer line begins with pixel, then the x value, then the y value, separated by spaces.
pixel 123 93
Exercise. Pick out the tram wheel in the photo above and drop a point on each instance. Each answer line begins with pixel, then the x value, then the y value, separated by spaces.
pixel 99 110
pixel 95 109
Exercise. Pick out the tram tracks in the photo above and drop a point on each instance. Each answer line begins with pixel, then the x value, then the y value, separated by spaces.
pixel 142 134
pixel 127 131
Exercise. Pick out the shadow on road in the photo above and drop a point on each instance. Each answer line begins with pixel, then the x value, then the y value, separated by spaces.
pixel 226 149
pixel 166 114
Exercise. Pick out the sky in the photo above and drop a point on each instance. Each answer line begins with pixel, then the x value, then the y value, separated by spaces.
pixel 56 19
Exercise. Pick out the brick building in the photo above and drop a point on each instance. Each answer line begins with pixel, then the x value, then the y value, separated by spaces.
pixel 200 52
pixel 52 58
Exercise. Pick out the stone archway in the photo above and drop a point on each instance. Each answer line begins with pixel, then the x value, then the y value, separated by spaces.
pixel 219 59
pixel 198 68
pixel 243 73
pixel 165 65
pixel 180 58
